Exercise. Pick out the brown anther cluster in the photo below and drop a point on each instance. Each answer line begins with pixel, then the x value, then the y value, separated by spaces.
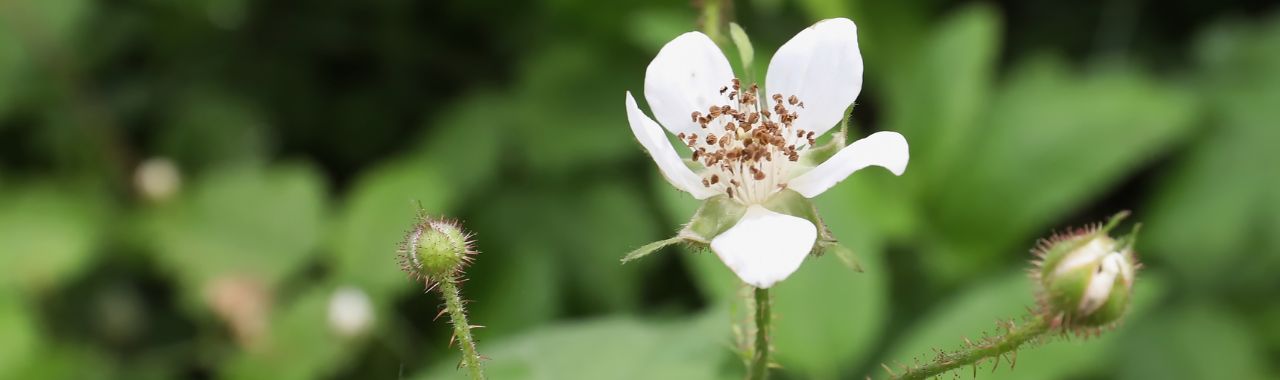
pixel 743 135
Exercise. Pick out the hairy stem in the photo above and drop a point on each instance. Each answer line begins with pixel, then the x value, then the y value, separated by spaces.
pixel 971 354
pixel 760 357
pixel 461 328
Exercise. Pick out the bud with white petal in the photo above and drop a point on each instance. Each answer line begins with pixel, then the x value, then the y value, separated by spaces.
pixel 1086 277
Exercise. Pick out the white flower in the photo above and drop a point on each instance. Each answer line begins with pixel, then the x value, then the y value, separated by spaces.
pixel 350 312
pixel 749 145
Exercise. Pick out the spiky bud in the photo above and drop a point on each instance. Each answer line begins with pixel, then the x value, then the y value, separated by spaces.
pixel 1086 277
pixel 435 249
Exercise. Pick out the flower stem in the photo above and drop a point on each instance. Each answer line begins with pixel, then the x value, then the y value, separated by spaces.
pixel 712 10
pixel 760 358
pixel 973 353
pixel 461 328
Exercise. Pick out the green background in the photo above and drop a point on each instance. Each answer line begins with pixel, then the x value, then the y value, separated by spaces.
pixel 305 133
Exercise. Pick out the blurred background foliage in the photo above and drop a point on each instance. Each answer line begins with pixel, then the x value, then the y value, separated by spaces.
pixel 184 184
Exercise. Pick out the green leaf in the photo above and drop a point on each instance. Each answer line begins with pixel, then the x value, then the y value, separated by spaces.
pixel 381 208
pixel 21 338
pixel 827 317
pixel 47 235
pixel 577 126
pixel 615 348
pixel 600 222
pixel 937 102
pixel 209 126
pixel 518 276
pixel 1216 208
pixel 1197 341
pixel 256 222
pixel 1052 140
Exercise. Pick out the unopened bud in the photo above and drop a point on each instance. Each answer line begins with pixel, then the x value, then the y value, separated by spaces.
pixel 435 249
pixel 1086 276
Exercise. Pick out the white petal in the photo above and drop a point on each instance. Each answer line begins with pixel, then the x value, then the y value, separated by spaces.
pixel 1099 288
pixel 655 142
pixel 686 76
pixel 821 65
pixel 765 247
pixel 884 149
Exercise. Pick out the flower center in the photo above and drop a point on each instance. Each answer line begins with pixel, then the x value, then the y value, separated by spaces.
pixel 747 148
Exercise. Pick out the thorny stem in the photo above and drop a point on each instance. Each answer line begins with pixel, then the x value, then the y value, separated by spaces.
pixel 760 357
pixel 461 328
pixel 973 353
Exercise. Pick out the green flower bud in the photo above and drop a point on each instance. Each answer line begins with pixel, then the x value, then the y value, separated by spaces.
pixel 435 249
pixel 1086 277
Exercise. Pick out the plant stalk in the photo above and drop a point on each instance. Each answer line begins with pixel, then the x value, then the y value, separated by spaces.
pixel 760 357
pixel 973 353
pixel 461 328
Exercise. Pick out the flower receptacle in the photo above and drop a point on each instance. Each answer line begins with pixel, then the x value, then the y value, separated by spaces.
pixel 435 249
pixel 1086 277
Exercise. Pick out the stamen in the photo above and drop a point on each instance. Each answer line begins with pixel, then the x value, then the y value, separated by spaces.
pixel 758 140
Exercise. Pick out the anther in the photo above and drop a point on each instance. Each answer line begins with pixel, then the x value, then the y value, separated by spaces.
pixel 793 100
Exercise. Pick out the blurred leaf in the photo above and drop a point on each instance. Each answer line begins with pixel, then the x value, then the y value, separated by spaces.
pixel 20 334
pixel 299 344
pixel 466 144
pixel 11 64
pixel 65 361
pixel 210 127
pixel 936 104
pixel 263 223
pixel 605 221
pixel 1199 341
pixel 828 317
pixel 456 159
pixel 581 124
pixel 653 28
pixel 1212 213
pixel 381 209
pixel 615 348
pixel 33 32
pixel 49 22
pixel 974 313
pixel 516 280
pixel 1051 141
pixel 47 235
pixel 516 291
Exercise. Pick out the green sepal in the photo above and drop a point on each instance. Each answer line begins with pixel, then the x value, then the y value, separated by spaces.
pixel 843 253
pixel 790 202
pixel 650 248
pixel 816 155
pixel 740 39
pixel 717 215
